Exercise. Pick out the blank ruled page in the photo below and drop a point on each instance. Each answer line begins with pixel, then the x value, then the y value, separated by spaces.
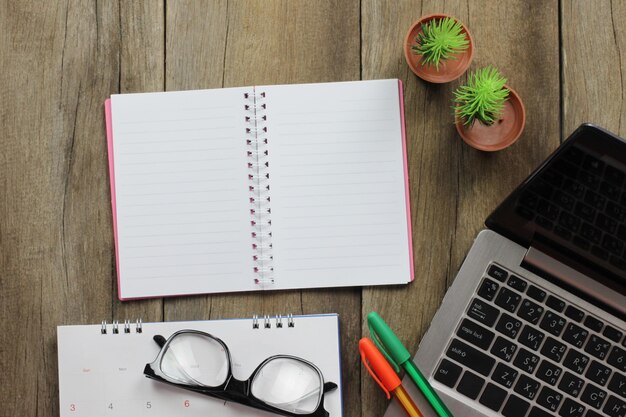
pixel 182 192
pixel 338 197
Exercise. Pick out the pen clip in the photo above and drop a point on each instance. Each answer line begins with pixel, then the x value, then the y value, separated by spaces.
pixel 382 349
pixel 372 373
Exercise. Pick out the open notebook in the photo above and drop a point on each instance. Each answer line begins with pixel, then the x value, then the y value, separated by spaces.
pixel 266 187
pixel 101 374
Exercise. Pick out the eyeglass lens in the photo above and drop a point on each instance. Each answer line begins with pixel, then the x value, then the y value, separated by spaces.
pixel 195 359
pixel 289 385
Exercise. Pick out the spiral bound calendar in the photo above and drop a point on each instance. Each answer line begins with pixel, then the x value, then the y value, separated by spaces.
pixel 101 366
pixel 265 187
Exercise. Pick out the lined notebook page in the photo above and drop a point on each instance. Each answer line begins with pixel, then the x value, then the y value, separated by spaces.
pixel 101 375
pixel 339 211
pixel 182 192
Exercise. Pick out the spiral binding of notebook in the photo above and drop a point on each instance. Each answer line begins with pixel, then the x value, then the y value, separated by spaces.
pixel 258 322
pixel 259 187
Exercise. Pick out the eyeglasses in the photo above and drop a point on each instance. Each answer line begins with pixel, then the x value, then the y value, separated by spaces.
pixel 200 362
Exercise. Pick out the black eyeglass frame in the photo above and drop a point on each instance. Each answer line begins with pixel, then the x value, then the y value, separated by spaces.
pixel 233 389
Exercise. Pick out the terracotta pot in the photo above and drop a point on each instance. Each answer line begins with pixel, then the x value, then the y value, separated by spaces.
pixel 450 69
pixel 504 132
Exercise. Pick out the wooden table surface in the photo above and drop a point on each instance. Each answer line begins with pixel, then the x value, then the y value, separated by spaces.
pixel 60 59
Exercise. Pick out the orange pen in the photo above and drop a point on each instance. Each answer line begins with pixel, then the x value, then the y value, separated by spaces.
pixel 385 376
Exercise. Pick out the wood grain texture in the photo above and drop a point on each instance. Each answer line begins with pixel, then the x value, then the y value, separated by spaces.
pixel 454 187
pixel 60 59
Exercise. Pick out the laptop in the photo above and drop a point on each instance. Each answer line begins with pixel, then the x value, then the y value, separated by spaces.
pixel 538 307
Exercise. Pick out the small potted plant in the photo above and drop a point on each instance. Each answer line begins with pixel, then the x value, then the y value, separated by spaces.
pixel 489 114
pixel 438 48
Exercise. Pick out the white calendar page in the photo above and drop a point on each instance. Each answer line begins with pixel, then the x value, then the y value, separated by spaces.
pixel 101 375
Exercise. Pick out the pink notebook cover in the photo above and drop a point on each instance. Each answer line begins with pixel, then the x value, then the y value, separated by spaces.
pixel 109 133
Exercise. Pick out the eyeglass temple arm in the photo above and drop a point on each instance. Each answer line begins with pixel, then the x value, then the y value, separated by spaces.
pixel 160 340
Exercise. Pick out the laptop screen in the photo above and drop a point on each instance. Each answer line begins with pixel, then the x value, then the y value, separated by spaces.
pixel 573 207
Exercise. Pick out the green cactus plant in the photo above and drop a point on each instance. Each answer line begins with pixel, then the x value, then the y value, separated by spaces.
pixel 440 40
pixel 482 98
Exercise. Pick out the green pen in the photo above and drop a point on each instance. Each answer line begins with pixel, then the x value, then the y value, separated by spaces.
pixel 397 355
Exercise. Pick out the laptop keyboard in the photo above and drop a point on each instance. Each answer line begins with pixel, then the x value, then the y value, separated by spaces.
pixel 523 352
pixel 582 200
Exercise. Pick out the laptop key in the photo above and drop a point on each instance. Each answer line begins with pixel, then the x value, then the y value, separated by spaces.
pixel 508 326
pixel 562 232
pixel 617 358
pixel 530 337
pixel 552 323
pixel 470 357
pixel 503 349
pixel 470 385
pixel 615 407
pixel 508 300
pixel 526 361
pixel 609 190
pixel 575 335
pixel 571 384
pixel 448 373
pixel 527 387
pixel 591 413
pixel 614 175
pixel 591 233
pixel 504 375
pixel 497 273
pixel 612 244
pixel 553 349
pixel 595 200
pixel 555 303
pixel 593 396
pixel 475 334
pixel 617 384
pixel 548 372
pixel 593 324
pixel 538 412
pixel 549 398
pixel 517 283
pixel 598 373
pixel 483 312
pixel 593 164
pixel 569 221
pixel 576 361
pixel 488 289
pixel 574 313
pixel 597 346
pixel 615 211
pixel 492 397
pixel 612 333
pixel 530 311
pixel 571 409
pixel 585 211
pixel 515 407
pixel 606 223
pixel 536 293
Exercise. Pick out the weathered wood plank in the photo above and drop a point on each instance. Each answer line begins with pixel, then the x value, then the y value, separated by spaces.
pixel 453 187
pixel 594 55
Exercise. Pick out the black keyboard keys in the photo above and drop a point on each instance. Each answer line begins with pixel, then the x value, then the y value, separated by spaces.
pixel 615 407
pixel 527 387
pixel 598 373
pixel 531 337
pixel 576 361
pixel 526 361
pixel 470 385
pixel 548 372
pixel 597 346
pixel 508 299
pixel 503 349
pixel 538 412
pixel 504 375
pixel 549 398
pixel 448 373
pixel 517 283
pixel 492 397
pixel 497 273
pixel 574 313
pixel 483 312
pixel 553 349
pixel 508 326
pixel 488 289
pixel 571 408
pixel 617 358
pixel 530 311
pixel 612 333
pixel 552 323
pixel 593 323
pixel 555 303
pixel 571 384
pixel 470 357
pixel 617 384
pixel 475 334
pixel 515 407
pixel 593 396
pixel 575 335
pixel 536 293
